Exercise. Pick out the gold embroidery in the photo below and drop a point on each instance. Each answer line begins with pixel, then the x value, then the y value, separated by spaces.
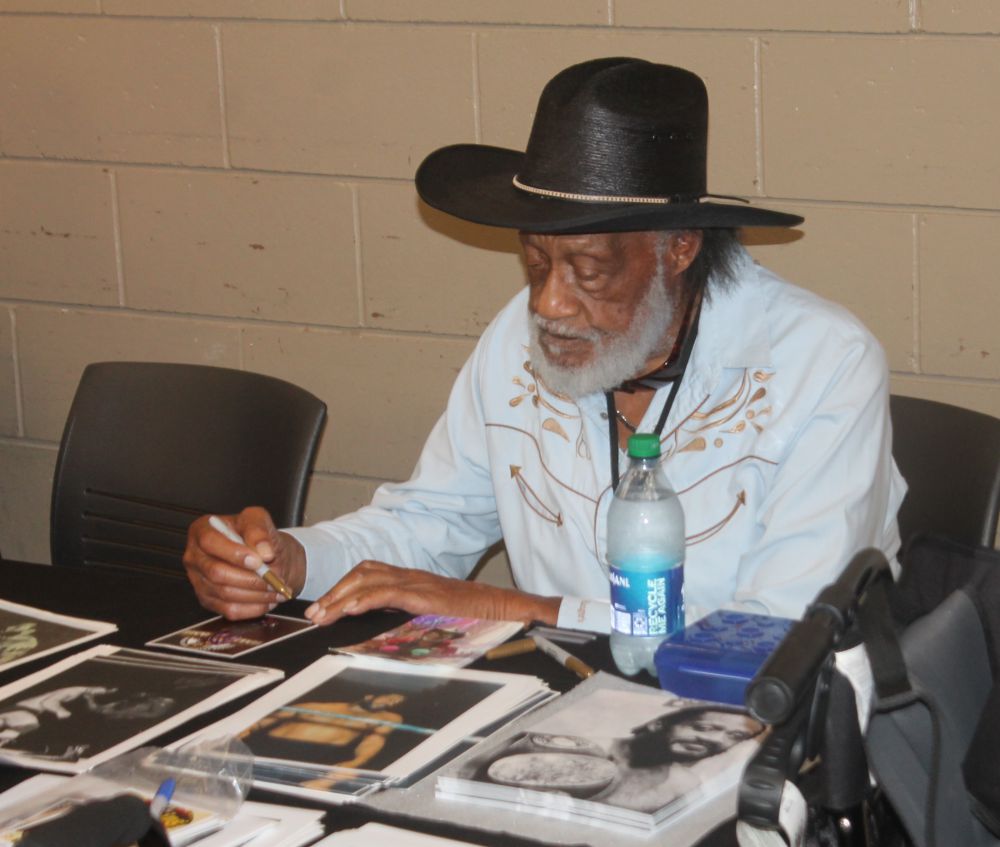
pixel 740 404
pixel 693 446
pixel 552 425
pixel 532 499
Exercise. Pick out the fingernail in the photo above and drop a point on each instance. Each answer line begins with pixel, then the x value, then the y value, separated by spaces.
pixel 266 551
pixel 312 610
pixel 253 562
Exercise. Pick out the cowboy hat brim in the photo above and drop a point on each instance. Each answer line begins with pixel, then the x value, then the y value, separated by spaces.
pixel 475 182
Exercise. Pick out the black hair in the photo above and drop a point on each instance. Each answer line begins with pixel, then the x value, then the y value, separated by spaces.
pixel 648 745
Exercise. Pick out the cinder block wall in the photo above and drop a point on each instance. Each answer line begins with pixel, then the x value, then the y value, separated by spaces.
pixel 228 182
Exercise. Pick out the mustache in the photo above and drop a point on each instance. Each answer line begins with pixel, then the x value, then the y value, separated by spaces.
pixel 558 329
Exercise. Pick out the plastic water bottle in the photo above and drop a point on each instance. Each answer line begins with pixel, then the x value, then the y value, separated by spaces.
pixel 646 554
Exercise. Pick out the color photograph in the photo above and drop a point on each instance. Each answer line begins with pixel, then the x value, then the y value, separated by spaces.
pixel 363 719
pixel 228 639
pixel 27 633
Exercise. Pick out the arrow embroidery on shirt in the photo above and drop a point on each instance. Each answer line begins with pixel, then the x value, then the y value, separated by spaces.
pixel 705 534
pixel 532 499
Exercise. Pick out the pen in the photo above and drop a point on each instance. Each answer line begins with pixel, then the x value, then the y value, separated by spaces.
pixel 556 652
pixel 512 648
pixel 162 797
pixel 264 572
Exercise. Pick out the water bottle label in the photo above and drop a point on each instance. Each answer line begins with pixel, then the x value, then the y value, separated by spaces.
pixel 647 602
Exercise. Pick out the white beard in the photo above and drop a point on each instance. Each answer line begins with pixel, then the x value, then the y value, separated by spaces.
pixel 617 357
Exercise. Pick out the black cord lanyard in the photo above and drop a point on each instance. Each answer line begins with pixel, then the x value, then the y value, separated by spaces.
pixel 672 373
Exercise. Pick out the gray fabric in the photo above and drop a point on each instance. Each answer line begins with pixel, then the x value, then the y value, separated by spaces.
pixel 949 668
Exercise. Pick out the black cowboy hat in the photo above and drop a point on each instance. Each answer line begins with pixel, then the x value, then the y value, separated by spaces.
pixel 617 145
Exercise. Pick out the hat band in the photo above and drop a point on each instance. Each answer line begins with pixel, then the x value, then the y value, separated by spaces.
pixel 594 198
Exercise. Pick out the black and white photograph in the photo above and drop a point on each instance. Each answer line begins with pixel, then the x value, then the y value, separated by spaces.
pixel 27 633
pixel 100 702
pixel 632 757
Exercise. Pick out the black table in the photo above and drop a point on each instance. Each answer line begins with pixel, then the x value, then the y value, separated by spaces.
pixel 148 605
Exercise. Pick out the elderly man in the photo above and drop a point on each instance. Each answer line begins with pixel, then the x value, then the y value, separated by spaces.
pixel 642 312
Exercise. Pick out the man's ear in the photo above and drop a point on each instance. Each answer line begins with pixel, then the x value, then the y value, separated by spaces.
pixel 682 249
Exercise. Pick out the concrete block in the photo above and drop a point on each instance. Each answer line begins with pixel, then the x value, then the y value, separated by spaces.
pixel 239 245
pixel 57 240
pixel 843 16
pixel 959 295
pixel 110 89
pixel 305 10
pixel 366 100
pixel 25 497
pixel 879 120
pixel 428 272
pixel 561 12
pixel 860 258
pixel 54 346
pixel 383 392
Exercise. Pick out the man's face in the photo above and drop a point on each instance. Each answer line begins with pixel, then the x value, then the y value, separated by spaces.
pixel 711 733
pixel 602 306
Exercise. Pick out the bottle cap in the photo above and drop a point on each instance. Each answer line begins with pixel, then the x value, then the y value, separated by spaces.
pixel 644 445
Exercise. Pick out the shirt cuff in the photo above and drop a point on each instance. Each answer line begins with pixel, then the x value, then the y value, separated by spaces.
pixel 585 613
pixel 322 569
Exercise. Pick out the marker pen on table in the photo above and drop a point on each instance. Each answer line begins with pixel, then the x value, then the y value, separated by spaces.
pixel 162 798
pixel 580 668
pixel 264 572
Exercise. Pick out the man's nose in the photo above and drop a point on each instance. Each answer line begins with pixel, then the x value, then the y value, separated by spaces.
pixel 554 298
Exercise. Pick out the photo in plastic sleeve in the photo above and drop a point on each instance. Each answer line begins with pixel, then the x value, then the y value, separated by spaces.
pixel 99 703
pixel 230 639
pixel 647 753
pixel 363 719
pixel 27 633
pixel 437 639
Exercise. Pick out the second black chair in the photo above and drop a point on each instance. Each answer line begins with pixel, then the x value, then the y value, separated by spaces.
pixel 950 459
pixel 150 446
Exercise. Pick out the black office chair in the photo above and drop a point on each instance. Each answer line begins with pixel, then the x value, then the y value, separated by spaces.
pixel 950 459
pixel 148 447
pixel 932 683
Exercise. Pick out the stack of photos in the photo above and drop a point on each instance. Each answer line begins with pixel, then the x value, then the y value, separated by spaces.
pixel 632 759
pixel 349 725
pixel 27 633
pixel 103 701
pixel 437 638
pixel 231 639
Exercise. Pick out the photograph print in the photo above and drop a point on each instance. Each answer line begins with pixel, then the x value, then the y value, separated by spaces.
pixel 228 639
pixel 363 718
pixel 631 751
pixel 27 633
pixel 99 703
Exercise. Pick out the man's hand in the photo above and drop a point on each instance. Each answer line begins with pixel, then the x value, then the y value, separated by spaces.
pixel 376 585
pixel 223 573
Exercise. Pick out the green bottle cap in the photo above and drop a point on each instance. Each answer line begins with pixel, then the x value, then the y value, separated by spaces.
pixel 644 445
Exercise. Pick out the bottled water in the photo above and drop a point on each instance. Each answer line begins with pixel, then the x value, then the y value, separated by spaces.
pixel 646 554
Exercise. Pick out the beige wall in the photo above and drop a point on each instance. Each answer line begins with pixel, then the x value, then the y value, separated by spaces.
pixel 228 182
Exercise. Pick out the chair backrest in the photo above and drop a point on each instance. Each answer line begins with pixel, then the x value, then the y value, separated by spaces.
pixel 950 459
pixel 916 750
pixel 148 447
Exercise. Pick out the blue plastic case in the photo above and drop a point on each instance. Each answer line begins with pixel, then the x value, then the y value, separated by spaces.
pixel 715 657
